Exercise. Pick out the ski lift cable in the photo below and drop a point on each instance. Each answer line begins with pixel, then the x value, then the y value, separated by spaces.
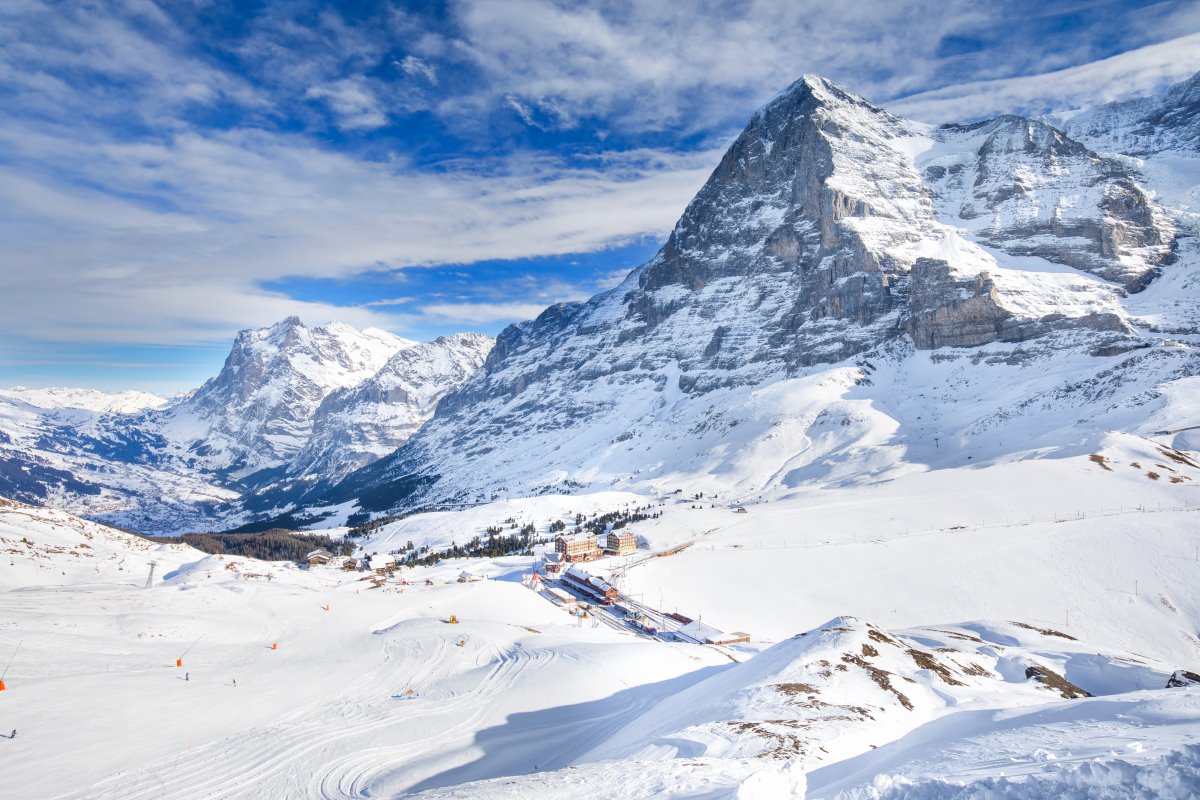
pixel 10 659
pixel 193 644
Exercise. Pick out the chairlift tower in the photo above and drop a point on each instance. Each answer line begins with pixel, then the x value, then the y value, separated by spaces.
pixel 150 577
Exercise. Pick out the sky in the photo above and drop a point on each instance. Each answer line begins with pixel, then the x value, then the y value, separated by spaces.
pixel 173 172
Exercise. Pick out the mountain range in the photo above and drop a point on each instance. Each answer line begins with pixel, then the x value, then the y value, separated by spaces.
pixel 851 296
pixel 293 406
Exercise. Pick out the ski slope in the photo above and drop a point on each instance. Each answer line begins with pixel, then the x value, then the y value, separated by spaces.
pixel 518 696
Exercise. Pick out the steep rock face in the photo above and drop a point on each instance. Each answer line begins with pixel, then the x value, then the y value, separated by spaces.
pixel 355 426
pixel 816 240
pixel 1025 188
pixel 950 311
pixel 258 412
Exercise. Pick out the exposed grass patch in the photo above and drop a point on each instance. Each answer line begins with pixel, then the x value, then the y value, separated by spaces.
pixel 882 637
pixel 868 651
pixel 956 635
pixel 1096 458
pixel 1152 475
pixel 1044 631
pixel 926 661
pixel 1052 680
pixel 1178 457
pixel 882 678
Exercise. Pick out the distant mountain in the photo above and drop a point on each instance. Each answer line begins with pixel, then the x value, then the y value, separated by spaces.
pixel 357 425
pixel 258 412
pixel 850 296
pixel 1144 126
pixel 85 399
pixel 161 467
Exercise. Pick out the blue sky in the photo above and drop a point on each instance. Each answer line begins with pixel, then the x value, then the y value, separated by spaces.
pixel 173 172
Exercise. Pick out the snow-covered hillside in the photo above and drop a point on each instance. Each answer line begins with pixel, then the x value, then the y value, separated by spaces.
pixel 316 683
pixel 44 547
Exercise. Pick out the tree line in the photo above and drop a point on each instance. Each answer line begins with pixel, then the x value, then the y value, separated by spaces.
pixel 274 545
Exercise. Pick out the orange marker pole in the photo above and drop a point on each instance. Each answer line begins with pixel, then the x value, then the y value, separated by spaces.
pixel 274 645
pixel 2 686
pixel 179 662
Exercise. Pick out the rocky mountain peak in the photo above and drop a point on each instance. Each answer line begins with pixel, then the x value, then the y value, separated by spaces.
pixel 830 230
pixel 259 408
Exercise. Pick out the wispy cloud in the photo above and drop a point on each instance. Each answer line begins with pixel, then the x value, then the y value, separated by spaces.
pixel 206 219
pixel 481 313
pixel 352 100
pixel 412 65
pixel 1131 74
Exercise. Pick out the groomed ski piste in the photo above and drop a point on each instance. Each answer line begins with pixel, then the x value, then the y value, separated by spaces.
pixel 933 636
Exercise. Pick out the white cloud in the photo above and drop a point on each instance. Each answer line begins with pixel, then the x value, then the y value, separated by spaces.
pixel 241 208
pixel 654 66
pixel 353 101
pixel 414 66
pixel 1130 74
pixel 481 313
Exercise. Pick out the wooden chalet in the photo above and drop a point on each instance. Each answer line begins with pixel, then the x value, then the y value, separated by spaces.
pixel 319 557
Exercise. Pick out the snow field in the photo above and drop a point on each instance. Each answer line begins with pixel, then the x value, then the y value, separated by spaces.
pixel 95 679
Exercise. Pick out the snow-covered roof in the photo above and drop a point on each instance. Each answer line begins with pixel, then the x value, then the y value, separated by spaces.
pixel 577 537
pixel 381 560
pixel 320 552
pixel 699 632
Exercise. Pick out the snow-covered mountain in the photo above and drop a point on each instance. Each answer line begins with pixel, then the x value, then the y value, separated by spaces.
pixel 159 467
pixel 850 296
pixel 258 412
pixel 1144 126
